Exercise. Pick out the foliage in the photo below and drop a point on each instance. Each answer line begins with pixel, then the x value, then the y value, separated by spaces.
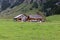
pixel 35 5
pixel 51 6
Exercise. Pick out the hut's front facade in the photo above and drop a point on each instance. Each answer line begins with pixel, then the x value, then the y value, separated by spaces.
pixel 20 17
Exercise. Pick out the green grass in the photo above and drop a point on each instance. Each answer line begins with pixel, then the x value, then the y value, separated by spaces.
pixel 49 30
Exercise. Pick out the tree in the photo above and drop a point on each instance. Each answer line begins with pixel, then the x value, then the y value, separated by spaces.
pixel 35 5
pixel 50 4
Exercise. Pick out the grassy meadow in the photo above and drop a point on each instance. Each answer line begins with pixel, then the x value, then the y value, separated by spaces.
pixel 49 30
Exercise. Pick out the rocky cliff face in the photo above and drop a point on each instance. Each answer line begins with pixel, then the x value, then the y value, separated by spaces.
pixel 11 3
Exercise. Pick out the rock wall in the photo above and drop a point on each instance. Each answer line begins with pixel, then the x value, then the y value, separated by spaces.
pixel 4 4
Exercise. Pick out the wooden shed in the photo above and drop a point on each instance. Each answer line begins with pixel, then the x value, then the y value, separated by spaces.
pixel 21 17
pixel 30 18
pixel 35 18
pixel 38 17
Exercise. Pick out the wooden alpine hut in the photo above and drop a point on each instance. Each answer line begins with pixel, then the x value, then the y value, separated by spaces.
pixel 21 17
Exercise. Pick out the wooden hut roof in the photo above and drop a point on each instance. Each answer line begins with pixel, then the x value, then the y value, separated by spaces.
pixel 35 16
pixel 18 16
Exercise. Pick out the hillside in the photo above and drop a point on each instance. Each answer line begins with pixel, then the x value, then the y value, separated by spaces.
pixel 54 18
pixel 28 7
pixel 16 7
pixel 4 4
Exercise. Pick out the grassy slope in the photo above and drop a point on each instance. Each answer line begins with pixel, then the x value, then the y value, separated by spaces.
pixel 22 8
pixel 50 30
pixel 12 12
